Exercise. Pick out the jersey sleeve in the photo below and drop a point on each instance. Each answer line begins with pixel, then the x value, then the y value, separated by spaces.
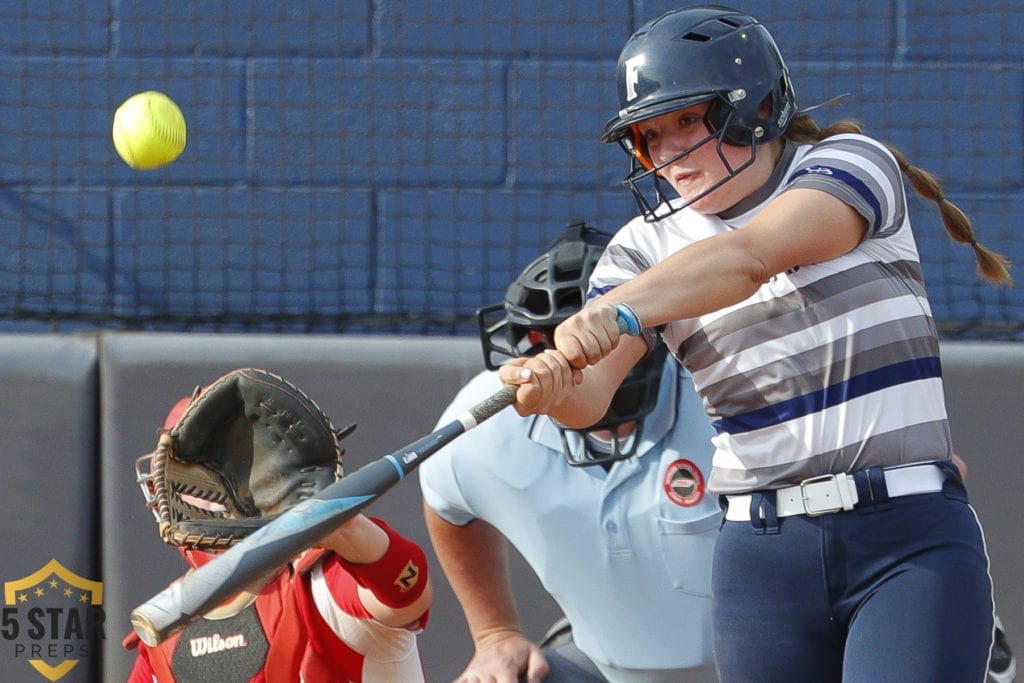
pixel 629 253
pixel 141 672
pixel 336 596
pixel 860 172
pixel 440 487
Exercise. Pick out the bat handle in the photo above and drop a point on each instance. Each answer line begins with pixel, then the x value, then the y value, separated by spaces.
pixel 484 410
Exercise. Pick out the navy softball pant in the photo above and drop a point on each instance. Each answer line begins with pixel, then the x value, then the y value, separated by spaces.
pixel 897 592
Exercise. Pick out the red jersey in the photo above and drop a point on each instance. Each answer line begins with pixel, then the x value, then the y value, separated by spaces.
pixel 307 624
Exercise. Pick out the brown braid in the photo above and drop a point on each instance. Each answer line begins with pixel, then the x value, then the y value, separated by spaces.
pixel 993 267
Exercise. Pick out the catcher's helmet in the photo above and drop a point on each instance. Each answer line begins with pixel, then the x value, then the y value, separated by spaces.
pixel 701 54
pixel 549 290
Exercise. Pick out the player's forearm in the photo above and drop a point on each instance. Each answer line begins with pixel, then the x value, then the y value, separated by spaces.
pixel 588 402
pixel 678 287
pixel 390 569
pixel 800 226
pixel 474 558
pixel 359 540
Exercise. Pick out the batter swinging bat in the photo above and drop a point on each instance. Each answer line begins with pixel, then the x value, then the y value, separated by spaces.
pixel 295 530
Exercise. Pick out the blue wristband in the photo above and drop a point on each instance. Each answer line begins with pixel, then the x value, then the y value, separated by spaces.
pixel 629 321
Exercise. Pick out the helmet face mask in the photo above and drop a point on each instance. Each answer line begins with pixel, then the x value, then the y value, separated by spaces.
pixel 502 340
pixel 649 187
pixel 590 449
pixel 690 56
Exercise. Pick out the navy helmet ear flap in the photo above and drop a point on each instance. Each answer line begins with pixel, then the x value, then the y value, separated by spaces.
pixel 748 118
pixel 720 116
pixel 740 129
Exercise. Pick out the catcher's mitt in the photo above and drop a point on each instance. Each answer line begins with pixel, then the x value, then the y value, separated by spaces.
pixel 241 450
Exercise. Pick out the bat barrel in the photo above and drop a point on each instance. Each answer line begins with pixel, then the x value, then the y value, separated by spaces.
pixel 271 546
pixel 153 622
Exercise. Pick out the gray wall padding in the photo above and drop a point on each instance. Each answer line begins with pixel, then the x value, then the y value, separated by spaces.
pixel 49 483
pixel 985 399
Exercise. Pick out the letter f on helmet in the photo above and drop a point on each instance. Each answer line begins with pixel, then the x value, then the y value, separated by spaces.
pixel 633 74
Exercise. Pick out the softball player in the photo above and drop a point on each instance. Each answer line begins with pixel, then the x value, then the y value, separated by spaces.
pixel 614 520
pixel 349 610
pixel 785 277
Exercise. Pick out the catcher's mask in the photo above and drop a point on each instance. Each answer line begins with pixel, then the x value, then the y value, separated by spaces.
pixel 601 443
pixel 686 57
pixel 236 453
pixel 549 290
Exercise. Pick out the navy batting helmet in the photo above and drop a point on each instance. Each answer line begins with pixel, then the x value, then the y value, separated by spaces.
pixel 689 56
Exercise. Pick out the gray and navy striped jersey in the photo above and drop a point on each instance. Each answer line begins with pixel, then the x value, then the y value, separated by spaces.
pixel 831 367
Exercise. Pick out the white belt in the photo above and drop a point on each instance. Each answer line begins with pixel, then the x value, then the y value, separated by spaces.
pixel 838 492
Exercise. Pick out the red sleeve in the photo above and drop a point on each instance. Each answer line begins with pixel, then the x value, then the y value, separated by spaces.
pixel 142 672
pixel 343 587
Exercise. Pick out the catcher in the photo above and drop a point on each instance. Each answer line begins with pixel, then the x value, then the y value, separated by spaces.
pixel 233 455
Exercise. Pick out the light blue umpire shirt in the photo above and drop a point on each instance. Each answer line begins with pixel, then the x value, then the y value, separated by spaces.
pixel 626 554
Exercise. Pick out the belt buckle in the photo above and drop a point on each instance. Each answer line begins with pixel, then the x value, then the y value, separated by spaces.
pixel 812 504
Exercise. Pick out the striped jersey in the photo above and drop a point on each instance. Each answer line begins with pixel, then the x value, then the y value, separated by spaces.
pixel 827 368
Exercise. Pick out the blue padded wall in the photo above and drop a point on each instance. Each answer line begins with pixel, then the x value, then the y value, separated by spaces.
pixel 350 162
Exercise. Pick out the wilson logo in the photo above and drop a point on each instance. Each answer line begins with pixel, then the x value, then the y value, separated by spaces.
pixel 208 645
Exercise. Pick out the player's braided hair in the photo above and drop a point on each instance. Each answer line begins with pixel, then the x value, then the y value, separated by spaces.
pixel 994 267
